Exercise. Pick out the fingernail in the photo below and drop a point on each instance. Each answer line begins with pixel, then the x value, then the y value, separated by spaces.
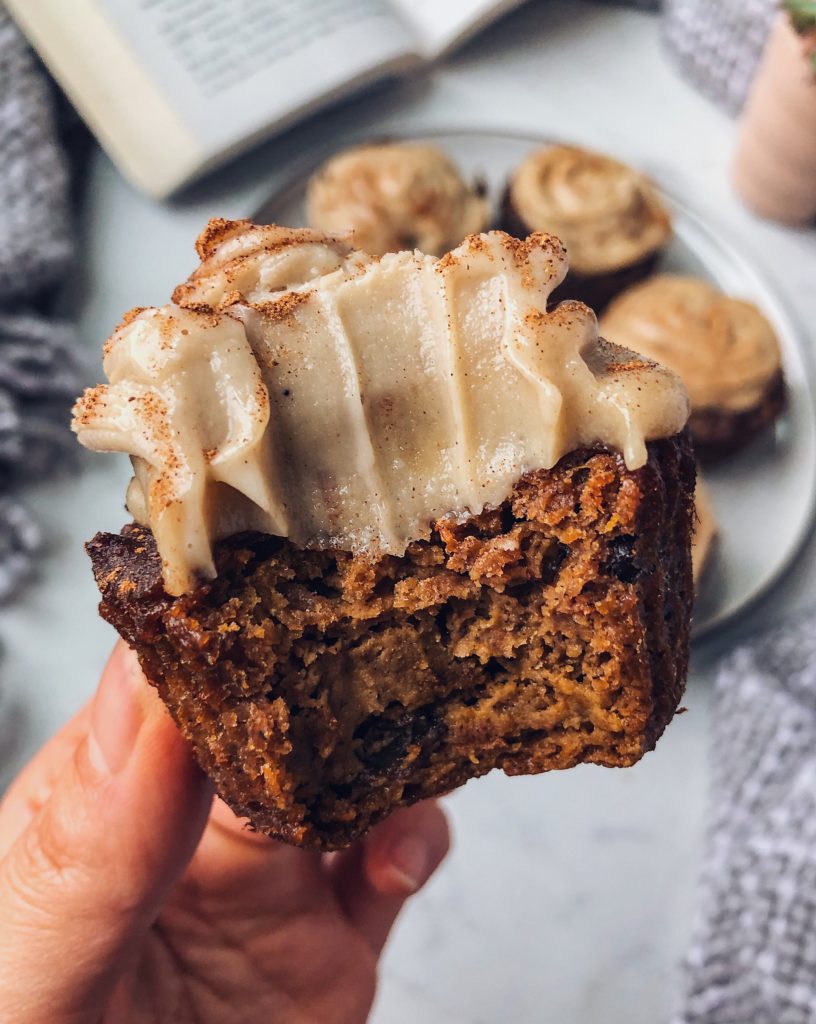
pixel 118 713
pixel 410 860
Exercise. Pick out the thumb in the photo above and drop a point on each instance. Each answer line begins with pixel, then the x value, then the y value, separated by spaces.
pixel 88 874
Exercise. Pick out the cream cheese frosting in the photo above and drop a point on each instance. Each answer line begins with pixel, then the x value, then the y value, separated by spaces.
pixel 724 349
pixel 607 214
pixel 395 196
pixel 297 388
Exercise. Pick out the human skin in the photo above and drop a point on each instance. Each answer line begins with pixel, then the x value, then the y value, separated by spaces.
pixel 129 895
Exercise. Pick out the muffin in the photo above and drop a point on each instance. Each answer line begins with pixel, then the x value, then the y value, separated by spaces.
pixel 609 217
pixel 396 196
pixel 724 349
pixel 373 556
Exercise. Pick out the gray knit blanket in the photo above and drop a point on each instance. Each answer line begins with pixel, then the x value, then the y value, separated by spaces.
pixel 717 44
pixel 753 959
pixel 39 367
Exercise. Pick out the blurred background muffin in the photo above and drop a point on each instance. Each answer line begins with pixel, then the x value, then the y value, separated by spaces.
pixel 396 196
pixel 608 215
pixel 725 350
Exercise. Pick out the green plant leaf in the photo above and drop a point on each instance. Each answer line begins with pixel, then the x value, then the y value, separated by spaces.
pixel 802 14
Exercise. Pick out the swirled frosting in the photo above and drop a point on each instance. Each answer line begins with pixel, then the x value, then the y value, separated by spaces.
pixel 606 214
pixel 724 349
pixel 300 389
pixel 395 196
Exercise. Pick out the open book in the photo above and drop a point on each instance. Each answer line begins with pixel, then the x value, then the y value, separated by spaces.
pixel 172 88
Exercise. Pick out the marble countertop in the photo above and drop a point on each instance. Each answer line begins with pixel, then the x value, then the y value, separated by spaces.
pixel 568 897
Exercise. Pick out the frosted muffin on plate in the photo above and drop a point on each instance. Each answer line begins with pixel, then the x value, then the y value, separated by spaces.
pixel 610 218
pixel 374 556
pixel 725 350
pixel 396 196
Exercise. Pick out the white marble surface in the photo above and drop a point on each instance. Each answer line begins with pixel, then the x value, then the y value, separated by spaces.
pixel 569 897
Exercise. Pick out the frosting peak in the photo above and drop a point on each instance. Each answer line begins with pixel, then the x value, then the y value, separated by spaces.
pixel 307 391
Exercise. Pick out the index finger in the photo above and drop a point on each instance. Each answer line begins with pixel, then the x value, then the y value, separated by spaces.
pixel 33 786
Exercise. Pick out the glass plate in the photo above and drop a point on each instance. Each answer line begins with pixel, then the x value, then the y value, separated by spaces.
pixel 765 496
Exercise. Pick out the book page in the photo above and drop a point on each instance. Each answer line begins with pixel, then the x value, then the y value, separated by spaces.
pixel 442 24
pixel 231 68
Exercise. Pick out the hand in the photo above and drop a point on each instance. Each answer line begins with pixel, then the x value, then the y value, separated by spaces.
pixel 127 895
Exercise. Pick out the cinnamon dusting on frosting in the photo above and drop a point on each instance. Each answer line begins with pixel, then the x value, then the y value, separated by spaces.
pixel 217 231
pixel 276 309
pixel 353 404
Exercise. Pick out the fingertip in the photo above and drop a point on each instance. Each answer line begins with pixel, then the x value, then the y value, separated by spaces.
pixel 136 756
pixel 118 713
pixel 403 853
pixel 374 878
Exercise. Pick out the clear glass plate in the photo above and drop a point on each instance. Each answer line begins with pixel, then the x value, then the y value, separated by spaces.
pixel 765 496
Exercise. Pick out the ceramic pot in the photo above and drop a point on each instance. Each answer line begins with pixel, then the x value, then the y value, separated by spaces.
pixel 774 169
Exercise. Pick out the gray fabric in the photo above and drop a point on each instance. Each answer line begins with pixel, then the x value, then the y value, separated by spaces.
pixel 753 959
pixel 718 43
pixel 38 381
pixel 20 540
pixel 40 372
pixel 644 5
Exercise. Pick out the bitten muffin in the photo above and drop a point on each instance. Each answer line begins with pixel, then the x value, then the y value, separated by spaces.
pixel 377 556
pixel 396 196
pixel 321 690
pixel 725 350
pixel 610 218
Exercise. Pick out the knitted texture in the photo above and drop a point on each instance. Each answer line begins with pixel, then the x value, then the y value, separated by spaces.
pixel 35 240
pixel 644 5
pixel 753 960
pixel 40 370
pixel 20 541
pixel 718 43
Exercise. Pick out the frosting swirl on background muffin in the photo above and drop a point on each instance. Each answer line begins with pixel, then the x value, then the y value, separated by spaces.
pixel 607 214
pixel 724 349
pixel 395 196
